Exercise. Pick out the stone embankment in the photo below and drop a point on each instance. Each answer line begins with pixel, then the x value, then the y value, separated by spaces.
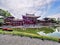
pixel 17 40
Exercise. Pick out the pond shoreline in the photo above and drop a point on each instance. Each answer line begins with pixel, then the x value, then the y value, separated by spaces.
pixel 31 32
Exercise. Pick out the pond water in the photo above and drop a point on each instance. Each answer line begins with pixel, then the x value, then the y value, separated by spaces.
pixel 54 34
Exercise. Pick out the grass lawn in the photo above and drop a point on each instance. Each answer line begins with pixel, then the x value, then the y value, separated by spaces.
pixel 31 32
pixel 34 30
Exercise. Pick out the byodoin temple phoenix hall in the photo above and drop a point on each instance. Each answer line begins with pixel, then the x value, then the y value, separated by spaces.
pixel 28 19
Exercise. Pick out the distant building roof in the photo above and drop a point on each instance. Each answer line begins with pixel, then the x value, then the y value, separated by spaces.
pixel 10 17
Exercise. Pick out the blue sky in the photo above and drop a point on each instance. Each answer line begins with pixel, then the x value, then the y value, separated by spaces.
pixel 55 8
pixel 43 8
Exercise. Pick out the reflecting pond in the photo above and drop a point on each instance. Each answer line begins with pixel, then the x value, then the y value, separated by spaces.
pixel 54 34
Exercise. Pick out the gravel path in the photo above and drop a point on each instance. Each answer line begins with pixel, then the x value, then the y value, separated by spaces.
pixel 17 40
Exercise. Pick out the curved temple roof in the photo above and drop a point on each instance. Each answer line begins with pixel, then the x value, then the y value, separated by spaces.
pixel 31 15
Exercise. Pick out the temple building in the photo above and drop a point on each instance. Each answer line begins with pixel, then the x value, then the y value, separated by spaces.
pixel 28 19
pixel 13 22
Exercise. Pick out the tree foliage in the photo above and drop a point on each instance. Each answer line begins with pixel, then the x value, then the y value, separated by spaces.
pixel 4 13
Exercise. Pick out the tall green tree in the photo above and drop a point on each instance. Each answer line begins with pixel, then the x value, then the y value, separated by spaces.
pixel 4 13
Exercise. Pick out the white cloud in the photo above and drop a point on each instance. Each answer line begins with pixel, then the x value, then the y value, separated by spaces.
pixel 19 7
pixel 55 16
